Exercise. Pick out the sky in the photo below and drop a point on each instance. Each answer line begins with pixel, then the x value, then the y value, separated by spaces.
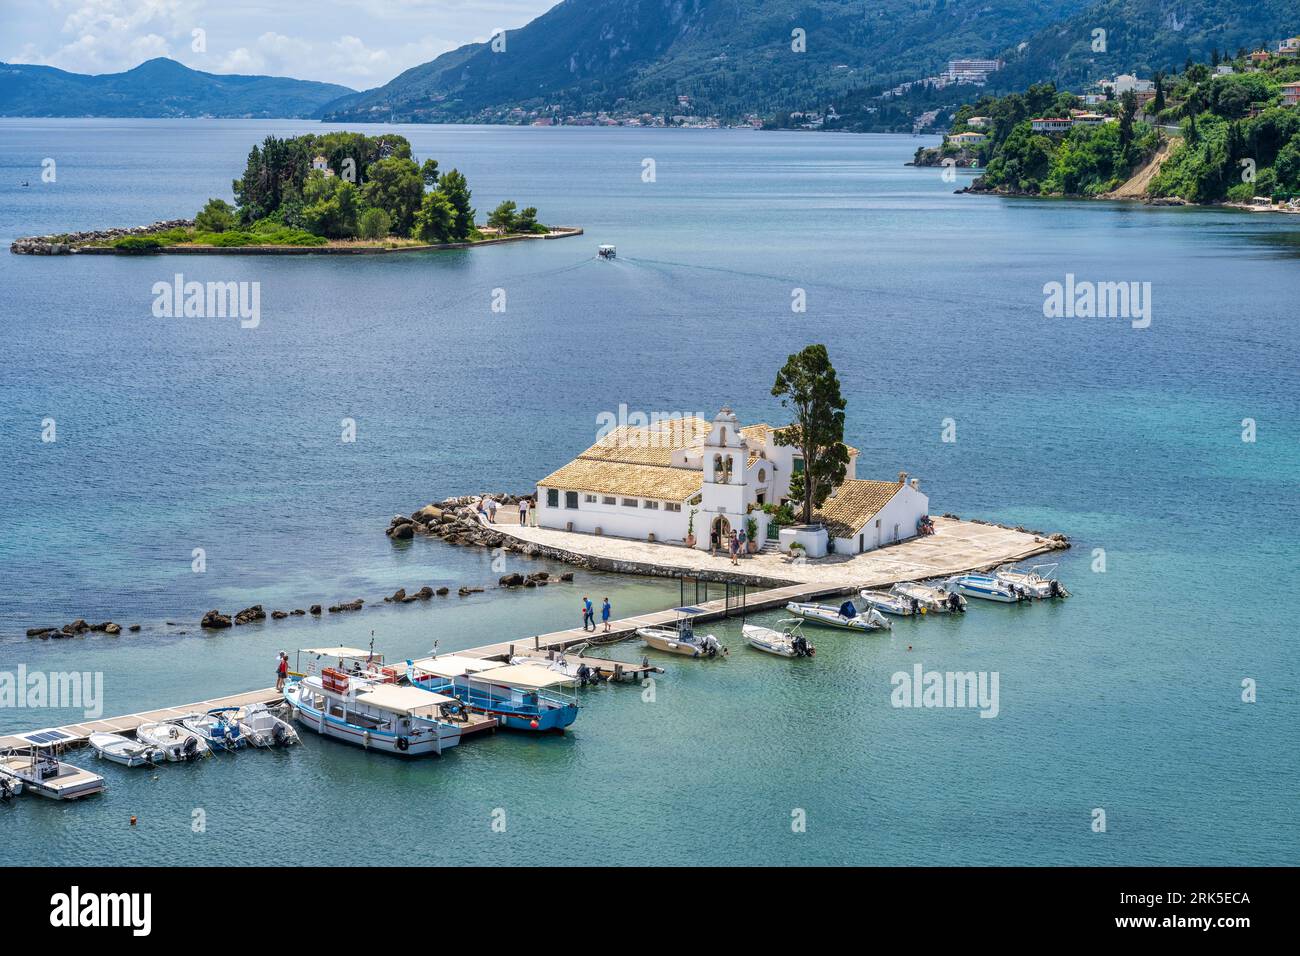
pixel 358 43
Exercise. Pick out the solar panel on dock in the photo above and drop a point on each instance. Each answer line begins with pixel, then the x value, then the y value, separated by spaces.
pixel 47 737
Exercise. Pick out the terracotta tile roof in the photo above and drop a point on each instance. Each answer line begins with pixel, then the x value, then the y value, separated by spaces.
pixel 648 446
pixel 622 478
pixel 762 434
pixel 854 504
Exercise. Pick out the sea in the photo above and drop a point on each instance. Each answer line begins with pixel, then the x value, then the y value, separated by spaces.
pixel 154 468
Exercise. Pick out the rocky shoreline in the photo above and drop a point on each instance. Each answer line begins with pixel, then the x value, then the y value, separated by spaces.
pixel 70 243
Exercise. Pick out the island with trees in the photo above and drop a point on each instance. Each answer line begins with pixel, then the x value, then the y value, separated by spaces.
pixel 1223 132
pixel 332 192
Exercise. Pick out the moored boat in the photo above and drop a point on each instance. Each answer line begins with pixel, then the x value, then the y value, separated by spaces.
pixel 262 728
pixel 933 598
pixel 1038 581
pixel 845 616
pixel 890 603
pixel 177 743
pixel 986 587
pixel 217 729
pixel 788 642
pixel 680 637
pixel 376 715
pixel 42 773
pixel 524 696
pixel 128 753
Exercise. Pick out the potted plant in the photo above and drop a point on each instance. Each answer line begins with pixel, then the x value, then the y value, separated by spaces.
pixel 796 551
pixel 690 529
pixel 751 531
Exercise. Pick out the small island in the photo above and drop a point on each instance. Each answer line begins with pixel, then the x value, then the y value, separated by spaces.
pixel 339 192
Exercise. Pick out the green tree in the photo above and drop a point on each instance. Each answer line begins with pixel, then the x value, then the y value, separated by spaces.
pixel 436 219
pixel 429 172
pixel 330 206
pixel 808 385
pixel 374 224
pixel 395 186
pixel 454 186
pixel 504 217
pixel 216 216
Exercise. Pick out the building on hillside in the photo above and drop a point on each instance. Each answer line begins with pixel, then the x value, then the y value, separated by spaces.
pixel 321 165
pixel 1291 94
pixel 1126 82
pixel 1289 48
pixel 977 122
pixel 1083 118
pixel 1051 124
pixel 1224 69
pixel 1260 58
pixel 656 482
pixel 965 139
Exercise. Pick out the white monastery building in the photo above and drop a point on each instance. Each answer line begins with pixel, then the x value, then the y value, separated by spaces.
pixel 654 483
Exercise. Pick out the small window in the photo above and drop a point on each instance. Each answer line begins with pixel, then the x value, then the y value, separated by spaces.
pixel 571 499
pixel 630 503
pixel 798 465
pixel 696 500
pixel 652 505
pixel 762 476
pixel 609 500
pixel 589 499
pixel 552 498
pixel 672 506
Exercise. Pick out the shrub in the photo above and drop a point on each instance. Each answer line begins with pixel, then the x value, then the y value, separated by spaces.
pixel 137 244
pixel 217 216
pixel 374 224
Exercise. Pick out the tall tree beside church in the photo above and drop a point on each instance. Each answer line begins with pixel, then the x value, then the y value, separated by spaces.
pixel 807 384
pixel 454 186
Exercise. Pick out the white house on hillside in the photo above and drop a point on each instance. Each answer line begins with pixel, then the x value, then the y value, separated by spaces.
pixel 654 483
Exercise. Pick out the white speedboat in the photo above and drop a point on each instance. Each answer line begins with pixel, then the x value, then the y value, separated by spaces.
pixel 681 638
pixel 1039 580
pixel 177 743
pixel 986 587
pixel 846 616
pixel 129 753
pixel 933 599
pixel 216 728
pixel 375 714
pixel 788 642
pixel 890 603
pixel 10 786
pixel 262 728
pixel 42 773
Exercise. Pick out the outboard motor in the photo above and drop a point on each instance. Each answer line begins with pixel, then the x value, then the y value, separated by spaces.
pixel 190 747
pixel 585 675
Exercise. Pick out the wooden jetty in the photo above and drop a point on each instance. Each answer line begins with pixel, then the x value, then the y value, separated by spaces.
pixel 541 645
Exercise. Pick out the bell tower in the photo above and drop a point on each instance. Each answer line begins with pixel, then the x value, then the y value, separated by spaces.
pixel 724 493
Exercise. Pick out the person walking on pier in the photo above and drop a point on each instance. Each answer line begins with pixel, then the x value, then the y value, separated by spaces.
pixel 734 547
pixel 492 510
pixel 713 541
pixel 281 670
pixel 604 614
pixel 588 615
pixel 523 512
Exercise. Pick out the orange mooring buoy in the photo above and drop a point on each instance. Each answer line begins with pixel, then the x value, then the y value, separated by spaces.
pixel 133 819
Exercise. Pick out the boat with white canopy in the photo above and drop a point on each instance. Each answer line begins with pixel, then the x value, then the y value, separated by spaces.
pixel 680 637
pixel 845 616
pixel 1038 581
pixel 525 696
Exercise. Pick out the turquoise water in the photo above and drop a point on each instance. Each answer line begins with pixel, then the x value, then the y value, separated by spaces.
pixel 183 434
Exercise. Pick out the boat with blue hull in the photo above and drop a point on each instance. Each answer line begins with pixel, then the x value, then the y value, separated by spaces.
pixel 526 697
pixel 987 587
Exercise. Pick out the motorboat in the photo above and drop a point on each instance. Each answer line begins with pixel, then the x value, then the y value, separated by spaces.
pixel 262 728
pixel 44 774
pixel 1038 580
pixel 592 670
pixel 177 743
pixel 891 603
pixel 987 587
pixel 933 598
pixel 10 787
pixel 846 616
pixel 787 642
pixel 216 728
pixel 129 753
pixel 524 696
pixel 375 714
pixel 680 638
pixel 607 252
pixel 352 661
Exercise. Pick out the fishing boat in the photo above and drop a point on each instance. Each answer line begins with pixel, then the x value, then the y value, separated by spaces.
pixel 987 587
pixel 526 696
pixel 890 603
pixel 217 729
pixel 607 252
pixel 352 661
pixel 376 715
pixel 129 753
pixel 934 599
pixel 592 670
pixel 680 638
pixel 262 728
pixel 42 773
pixel 177 743
pixel 846 616
pixel 1038 580
pixel 787 642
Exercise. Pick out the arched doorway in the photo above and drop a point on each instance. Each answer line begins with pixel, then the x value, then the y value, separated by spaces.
pixel 721 531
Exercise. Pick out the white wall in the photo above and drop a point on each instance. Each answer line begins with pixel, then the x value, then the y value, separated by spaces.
pixel 615 520
pixel 902 510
